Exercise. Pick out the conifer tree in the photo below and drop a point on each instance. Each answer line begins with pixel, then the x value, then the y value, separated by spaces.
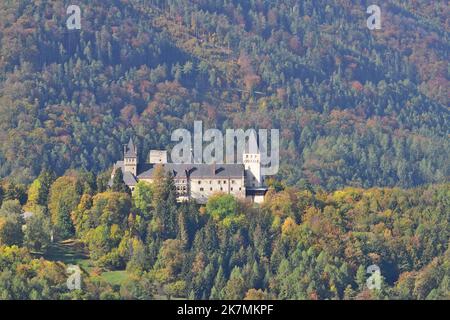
pixel 118 185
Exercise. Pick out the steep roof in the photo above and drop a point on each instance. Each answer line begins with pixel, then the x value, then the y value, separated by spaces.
pixel 180 171
pixel 196 171
pixel 128 177
pixel 130 151
pixel 217 171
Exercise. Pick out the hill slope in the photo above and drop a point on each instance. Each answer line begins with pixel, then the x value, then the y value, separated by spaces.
pixel 354 107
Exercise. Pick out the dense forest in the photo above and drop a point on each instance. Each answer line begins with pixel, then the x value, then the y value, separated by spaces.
pixel 355 107
pixel 364 123
pixel 300 244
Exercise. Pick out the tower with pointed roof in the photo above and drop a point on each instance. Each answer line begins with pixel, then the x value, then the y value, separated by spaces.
pixel 130 158
pixel 199 181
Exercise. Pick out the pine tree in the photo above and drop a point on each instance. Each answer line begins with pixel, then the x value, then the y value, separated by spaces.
pixel 15 192
pixel 11 222
pixel 182 229
pixel 64 225
pixel 219 284
pixel 235 287
pixel 171 214
pixel 361 277
pixel 118 184
pixel 46 178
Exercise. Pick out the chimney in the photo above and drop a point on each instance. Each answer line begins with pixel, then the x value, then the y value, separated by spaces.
pixel 214 168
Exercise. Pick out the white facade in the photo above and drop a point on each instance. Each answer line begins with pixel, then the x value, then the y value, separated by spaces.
pixel 198 181
pixel 158 157
pixel 252 165
pixel 202 188
pixel 130 165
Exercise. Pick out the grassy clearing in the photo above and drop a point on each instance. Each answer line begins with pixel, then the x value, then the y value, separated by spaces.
pixel 73 252
pixel 115 277
pixel 68 252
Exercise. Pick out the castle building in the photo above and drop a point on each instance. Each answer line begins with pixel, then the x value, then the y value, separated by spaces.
pixel 196 181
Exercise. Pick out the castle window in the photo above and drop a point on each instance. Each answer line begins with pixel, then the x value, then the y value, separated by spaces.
pixel 240 189
pixel 224 182
pixel 231 188
pixel 201 189
pixel 232 181
pixel 221 189
pixel 199 182
pixel 210 189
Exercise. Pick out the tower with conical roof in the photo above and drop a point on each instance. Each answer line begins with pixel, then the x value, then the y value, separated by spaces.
pixel 130 158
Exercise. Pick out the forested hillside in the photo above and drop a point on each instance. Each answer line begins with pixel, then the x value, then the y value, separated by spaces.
pixel 364 120
pixel 355 107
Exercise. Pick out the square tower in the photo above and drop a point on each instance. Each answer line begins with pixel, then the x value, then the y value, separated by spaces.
pixel 252 165
pixel 158 157
pixel 130 158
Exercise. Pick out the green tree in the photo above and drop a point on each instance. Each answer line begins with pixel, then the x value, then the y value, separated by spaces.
pixel 37 231
pixel 63 200
pixel 224 208
pixel 39 190
pixel 361 277
pixel 15 192
pixel 170 261
pixel 118 185
pixel 34 194
pixel 235 287
pixel 11 222
pixel 254 294
pixel 220 206
pixel 2 193
pixel 142 198
pixel 102 181
pixel 175 289
pixel 138 260
pixel 137 288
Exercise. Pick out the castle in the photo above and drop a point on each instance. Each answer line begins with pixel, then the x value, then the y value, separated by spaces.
pixel 196 181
